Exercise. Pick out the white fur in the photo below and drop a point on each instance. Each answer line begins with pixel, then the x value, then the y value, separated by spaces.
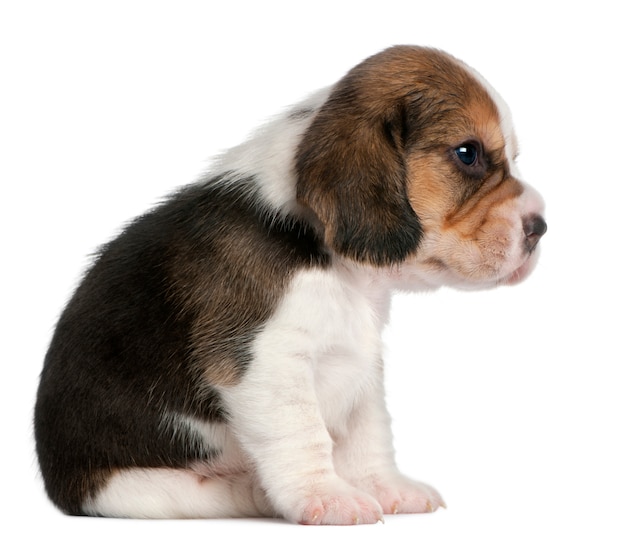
pixel 315 362
pixel 268 155
pixel 178 493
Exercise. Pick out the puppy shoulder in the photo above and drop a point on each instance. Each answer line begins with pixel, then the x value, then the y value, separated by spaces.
pixel 268 156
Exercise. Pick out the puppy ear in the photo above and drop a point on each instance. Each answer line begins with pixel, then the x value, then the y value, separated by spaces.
pixel 351 173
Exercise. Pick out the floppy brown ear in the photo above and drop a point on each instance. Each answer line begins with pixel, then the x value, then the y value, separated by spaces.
pixel 351 173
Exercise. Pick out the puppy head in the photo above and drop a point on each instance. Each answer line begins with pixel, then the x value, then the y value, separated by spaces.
pixel 410 162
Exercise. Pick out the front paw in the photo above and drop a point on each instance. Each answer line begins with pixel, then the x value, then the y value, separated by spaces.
pixel 336 503
pixel 398 494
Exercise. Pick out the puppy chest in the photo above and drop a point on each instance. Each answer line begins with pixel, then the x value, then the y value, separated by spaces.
pixel 325 337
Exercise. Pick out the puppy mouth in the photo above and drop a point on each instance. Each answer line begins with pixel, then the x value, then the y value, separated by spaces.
pixel 534 227
pixel 522 271
pixel 463 280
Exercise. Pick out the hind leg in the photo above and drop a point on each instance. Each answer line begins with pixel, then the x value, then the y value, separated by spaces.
pixel 178 493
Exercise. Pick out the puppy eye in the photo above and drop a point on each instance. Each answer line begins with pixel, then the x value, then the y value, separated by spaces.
pixel 467 154
pixel 470 159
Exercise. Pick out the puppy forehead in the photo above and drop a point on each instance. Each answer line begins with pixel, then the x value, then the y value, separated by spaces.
pixel 474 114
pixel 480 119
pixel 451 101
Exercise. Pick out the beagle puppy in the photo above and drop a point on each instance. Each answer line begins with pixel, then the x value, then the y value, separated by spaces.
pixel 222 356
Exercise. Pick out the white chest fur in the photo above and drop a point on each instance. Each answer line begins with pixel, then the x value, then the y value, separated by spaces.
pixel 328 327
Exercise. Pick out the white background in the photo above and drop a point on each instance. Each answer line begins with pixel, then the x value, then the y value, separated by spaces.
pixel 510 402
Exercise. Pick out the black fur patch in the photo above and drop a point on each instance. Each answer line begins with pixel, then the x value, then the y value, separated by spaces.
pixel 163 317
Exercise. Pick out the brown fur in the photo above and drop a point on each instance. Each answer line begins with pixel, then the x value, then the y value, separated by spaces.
pixel 386 136
pixel 383 138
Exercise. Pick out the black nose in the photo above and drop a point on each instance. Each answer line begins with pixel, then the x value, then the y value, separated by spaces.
pixel 534 227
